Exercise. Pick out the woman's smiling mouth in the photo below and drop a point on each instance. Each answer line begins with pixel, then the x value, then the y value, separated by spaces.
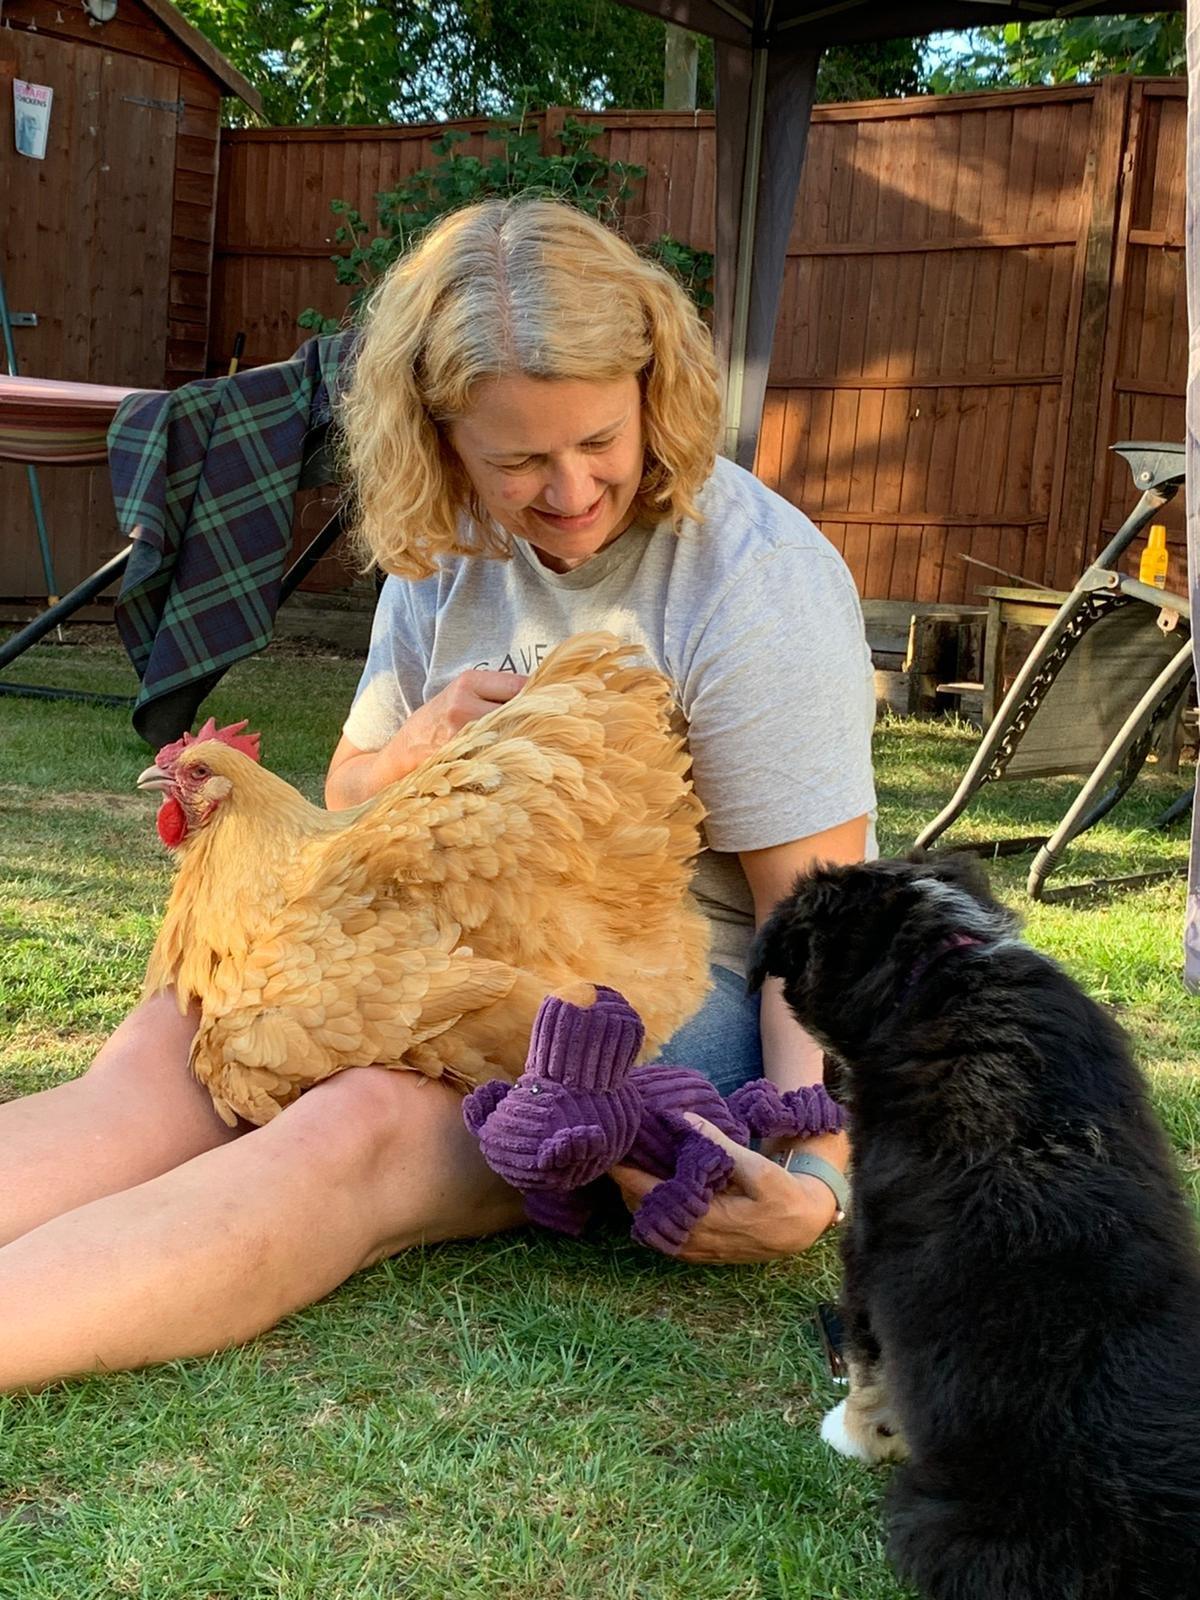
pixel 576 524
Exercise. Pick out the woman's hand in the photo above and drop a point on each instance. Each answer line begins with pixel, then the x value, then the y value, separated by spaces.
pixel 463 700
pixel 356 775
pixel 764 1213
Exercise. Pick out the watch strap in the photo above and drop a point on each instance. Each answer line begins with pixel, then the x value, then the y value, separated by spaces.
pixel 802 1163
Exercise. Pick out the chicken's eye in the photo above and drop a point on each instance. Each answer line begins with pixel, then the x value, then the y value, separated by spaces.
pixel 201 771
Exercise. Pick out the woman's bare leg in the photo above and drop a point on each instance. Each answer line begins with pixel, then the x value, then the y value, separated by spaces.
pixel 219 1249
pixel 134 1114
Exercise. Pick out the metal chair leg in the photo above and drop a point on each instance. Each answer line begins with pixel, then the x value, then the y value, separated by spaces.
pixel 49 619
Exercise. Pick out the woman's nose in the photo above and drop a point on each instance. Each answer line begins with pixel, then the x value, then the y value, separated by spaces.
pixel 571 489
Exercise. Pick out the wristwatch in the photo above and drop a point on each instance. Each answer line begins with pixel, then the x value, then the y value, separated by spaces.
pixel 802 1163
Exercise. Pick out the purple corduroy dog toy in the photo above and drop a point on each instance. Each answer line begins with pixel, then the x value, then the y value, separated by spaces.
pixel 581 1106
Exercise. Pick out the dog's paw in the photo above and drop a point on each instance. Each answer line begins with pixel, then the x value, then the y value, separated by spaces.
pixel 839 1438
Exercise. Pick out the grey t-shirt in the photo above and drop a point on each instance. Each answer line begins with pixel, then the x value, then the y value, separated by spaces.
pixel 750 612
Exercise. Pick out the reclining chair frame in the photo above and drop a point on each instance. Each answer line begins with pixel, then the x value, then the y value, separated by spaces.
pixel 1158 472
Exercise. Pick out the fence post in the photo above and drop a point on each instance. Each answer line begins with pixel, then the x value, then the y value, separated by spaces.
pixel 1085 406
pixel 552 126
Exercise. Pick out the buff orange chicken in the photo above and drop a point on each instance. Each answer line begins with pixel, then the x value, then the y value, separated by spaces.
pixel 550 841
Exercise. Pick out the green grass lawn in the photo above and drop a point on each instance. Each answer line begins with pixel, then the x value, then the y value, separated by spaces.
pixel 525 1418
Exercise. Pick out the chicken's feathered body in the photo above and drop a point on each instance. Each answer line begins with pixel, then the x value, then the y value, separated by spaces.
pixel 551 840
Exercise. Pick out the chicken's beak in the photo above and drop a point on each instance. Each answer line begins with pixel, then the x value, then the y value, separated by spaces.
pixel 156 778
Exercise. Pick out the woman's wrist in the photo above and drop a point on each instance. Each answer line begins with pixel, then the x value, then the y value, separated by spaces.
pixel 804 1166
pixel 821 1185
pixel 832 1147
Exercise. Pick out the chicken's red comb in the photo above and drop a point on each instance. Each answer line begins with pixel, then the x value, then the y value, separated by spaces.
pixel 247 743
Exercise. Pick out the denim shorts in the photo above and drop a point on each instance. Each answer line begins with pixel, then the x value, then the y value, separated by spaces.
pixel 722 1040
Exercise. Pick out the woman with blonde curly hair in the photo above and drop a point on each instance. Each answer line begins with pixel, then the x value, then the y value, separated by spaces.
pixel 532 436
pixel 531 431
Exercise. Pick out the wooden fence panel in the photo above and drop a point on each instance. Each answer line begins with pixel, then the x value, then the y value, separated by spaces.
pixel 274 235
pixel 981 293
pixel 929 291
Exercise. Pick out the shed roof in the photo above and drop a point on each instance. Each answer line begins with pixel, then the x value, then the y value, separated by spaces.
pixel 205 51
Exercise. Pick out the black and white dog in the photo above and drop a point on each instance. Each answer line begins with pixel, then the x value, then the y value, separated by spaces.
pixel 1022 1275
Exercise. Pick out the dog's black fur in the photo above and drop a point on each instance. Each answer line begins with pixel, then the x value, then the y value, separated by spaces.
pixel 1021 1269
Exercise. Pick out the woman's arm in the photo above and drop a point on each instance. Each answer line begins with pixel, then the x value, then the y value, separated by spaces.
pixel 355 775
pixel 767 1212
pixel 791 1057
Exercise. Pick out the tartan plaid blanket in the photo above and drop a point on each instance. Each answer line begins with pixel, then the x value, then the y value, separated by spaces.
pixel 204 478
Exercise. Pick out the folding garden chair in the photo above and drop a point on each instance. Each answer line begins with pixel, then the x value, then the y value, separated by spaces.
pixel 1107 675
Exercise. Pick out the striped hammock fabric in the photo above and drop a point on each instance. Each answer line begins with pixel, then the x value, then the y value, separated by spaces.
pixel 46 421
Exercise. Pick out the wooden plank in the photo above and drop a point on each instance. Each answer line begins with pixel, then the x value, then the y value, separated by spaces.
pixel 130 315
pixel 193 188
pixel 193 224
pixel 192 256
pixel 190 290
pixel 769 453
pixel 194 42
pixel 811 448
pixel 282 252
pixel 197 154
pixel 184 355
pixel 919 518
pixel 1084 252
pixel 1127 275
pixel 1024 240
pixel 324 134
pixel 863 472
pixel 1157 238
pixel 932 562
pixel 947 105
pixel 1086 409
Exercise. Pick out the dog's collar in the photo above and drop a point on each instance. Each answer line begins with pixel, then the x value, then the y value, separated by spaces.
pixel 953 942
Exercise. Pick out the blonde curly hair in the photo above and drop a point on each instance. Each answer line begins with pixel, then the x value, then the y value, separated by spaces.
pixel 530 287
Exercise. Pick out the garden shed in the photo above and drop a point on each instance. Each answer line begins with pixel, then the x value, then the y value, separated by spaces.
pixel 105 241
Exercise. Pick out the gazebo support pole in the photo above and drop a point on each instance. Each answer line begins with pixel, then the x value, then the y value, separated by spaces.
pixel 736 377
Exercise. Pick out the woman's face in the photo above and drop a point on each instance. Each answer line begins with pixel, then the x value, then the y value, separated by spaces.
pixel 556 461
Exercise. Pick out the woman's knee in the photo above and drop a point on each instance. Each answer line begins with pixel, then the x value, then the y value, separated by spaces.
pixel 397 1142
pixel 368 1114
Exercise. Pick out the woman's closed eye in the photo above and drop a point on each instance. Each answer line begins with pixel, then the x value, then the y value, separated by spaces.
pixel 527 463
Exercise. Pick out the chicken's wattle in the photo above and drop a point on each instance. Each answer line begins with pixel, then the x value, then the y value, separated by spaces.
pixel 172 822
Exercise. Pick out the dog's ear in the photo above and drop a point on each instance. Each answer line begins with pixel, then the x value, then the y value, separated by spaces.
pixel 963 870
pixel 781 946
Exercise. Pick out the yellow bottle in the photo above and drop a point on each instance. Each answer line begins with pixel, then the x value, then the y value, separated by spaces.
pixel 1153 566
